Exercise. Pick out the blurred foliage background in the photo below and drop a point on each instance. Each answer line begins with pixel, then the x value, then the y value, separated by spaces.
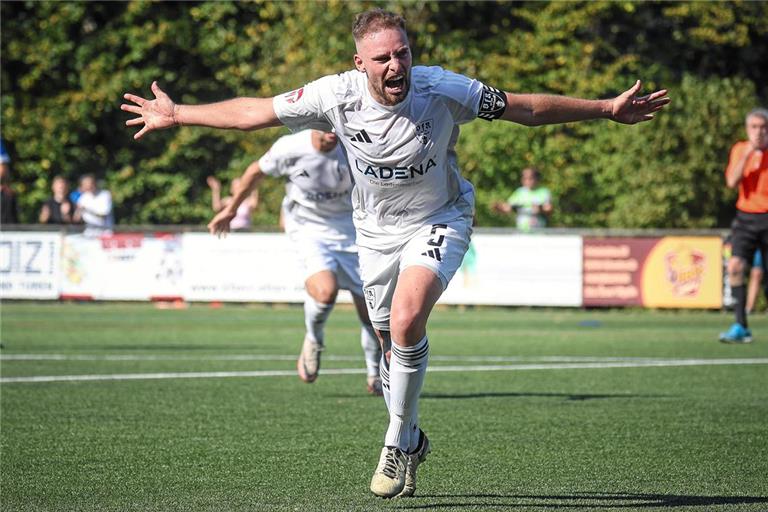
pixel 65 66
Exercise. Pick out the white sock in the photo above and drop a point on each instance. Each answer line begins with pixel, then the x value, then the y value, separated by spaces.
pixel 371 349
pixel 407 369
pixel 384 367
pixel 315 315
pixel 414 430
pixel 384 374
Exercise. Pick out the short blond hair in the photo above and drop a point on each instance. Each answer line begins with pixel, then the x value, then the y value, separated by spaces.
pixel 374 20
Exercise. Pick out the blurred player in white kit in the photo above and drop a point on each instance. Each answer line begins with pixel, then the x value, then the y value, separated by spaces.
pixel 412 208
pixel 317 214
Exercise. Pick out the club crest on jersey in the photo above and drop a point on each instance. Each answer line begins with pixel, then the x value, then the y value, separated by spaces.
pixel 294 96
pixel 424 131
pixel 370 296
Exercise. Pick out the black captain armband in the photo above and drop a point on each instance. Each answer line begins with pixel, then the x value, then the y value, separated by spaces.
pixel 493 103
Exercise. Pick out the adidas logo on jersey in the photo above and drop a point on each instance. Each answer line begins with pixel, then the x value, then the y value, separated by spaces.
pixel 434 254
pixel 362 137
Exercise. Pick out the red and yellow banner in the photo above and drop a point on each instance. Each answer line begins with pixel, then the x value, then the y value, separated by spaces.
pixel 668 272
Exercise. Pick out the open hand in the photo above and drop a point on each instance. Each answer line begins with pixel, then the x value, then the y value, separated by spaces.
pixel 154 114
pixel 220 224
pixel 501 207
pixel 628 108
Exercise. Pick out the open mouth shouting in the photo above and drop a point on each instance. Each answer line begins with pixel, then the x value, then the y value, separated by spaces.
pixel 396 85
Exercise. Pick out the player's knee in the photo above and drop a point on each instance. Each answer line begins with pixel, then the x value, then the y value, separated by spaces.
pixel 322 287
pixel 323 291
pixel 325 294
pixel 407 326
pixel 736 267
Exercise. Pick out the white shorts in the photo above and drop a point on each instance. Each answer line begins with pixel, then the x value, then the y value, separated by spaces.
pixel 439 247
pixel 316 256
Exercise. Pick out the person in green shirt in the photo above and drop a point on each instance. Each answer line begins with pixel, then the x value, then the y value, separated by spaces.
pixel 531 202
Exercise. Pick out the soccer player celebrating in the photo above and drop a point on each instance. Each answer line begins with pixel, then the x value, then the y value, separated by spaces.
pixel 317 210
pixel 412 208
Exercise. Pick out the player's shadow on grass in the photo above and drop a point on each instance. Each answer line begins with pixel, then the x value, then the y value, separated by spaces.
pixel 567 396
pixel 579 500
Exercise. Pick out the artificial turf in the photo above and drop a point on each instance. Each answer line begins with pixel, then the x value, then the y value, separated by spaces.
pixel 544 437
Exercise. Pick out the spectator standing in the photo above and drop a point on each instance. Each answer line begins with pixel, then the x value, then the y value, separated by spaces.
pixel 9 210
pixel 58 209
pixel 242 219
pixel 531 202
pixel 94 207
pixel 748 171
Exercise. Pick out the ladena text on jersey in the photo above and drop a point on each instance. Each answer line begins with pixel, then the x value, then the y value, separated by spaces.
pixel 395 173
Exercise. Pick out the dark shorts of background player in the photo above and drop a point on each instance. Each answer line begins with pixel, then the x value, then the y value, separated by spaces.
pixel 749 232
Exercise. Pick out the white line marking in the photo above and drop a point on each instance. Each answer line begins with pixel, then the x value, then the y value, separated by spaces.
pixel 281 357
pixel 351 371
pixel 146 357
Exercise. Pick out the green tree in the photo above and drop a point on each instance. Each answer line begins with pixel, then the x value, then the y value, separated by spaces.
pixel 65 66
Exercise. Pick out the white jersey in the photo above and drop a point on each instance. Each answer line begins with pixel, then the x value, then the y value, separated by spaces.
pixel 317 201
pixel 96 211
pixel 402 156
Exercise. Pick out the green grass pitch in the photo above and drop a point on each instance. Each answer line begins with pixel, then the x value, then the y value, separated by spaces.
pixel 531 410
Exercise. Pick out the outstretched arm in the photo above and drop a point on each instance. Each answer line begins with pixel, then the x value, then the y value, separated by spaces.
pixel 162 112
pixel 501 207
pixel 249 181
pixel 215 186
pixel 540 109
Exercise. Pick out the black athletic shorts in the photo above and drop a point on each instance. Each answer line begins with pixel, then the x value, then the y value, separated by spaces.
pixel 749 232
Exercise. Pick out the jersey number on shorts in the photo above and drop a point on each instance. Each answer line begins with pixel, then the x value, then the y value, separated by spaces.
pixel 436 241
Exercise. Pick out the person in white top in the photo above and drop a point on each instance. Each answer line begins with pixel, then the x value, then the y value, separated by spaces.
pixel 412 209
pixel 242 218
pixel 317 213
pixel 94 207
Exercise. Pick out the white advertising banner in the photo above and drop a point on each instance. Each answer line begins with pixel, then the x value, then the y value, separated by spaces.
pixel 29 265
pixel 124 266
pixel 241 267
pixel 519 270
pixel 533 270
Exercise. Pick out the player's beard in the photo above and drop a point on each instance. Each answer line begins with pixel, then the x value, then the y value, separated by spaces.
pixel 386 97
